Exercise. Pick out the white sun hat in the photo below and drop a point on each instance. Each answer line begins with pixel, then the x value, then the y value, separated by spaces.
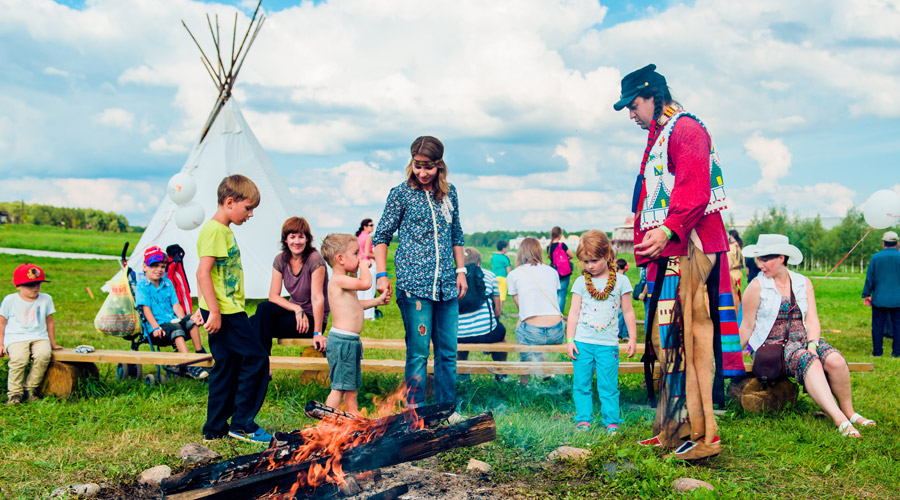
pixel 774 244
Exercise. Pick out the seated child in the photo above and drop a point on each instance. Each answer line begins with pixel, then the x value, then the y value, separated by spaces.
pixel 155 295
pixel 344 349
pixel 27 331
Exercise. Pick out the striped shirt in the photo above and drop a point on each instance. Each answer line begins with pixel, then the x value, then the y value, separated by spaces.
pixel 482 321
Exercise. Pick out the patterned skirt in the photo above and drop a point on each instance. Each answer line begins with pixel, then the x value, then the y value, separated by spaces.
pixel 797 359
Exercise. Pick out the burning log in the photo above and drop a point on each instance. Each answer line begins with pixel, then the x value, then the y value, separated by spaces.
pixel 297 468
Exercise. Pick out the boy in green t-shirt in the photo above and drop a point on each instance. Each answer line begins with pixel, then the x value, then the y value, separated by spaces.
pixel 501 266
pixel 240 375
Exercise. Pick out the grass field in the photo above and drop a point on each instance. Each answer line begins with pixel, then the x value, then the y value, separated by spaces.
pixel 112 430
pixel 64 240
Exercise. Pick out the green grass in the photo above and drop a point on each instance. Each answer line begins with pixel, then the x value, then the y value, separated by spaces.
pixel 58 239
pixel 112 430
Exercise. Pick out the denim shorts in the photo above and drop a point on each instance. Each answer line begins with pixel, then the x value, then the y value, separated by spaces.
pixel 540 335
pixel 344 354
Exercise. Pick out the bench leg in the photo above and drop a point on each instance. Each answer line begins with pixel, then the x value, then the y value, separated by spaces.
pixel 310 376
pixel 62 378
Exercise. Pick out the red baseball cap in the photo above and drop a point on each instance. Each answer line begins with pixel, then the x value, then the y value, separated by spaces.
pixel 28 274
pixel 153 255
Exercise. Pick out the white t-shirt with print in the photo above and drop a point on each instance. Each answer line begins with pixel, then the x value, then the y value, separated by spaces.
pixel 26 321
pixel 598 322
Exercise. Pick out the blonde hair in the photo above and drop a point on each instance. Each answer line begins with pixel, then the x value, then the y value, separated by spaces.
pixel 337 243
pixel 433 149
pixel 240 188
pixel 529 252
pixel 595 244
pixel 471 256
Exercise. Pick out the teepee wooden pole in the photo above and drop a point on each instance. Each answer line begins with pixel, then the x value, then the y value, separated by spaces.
pixel 216 44
pixel 219 81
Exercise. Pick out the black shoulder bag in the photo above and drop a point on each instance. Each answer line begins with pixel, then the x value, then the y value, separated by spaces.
pixel 768 365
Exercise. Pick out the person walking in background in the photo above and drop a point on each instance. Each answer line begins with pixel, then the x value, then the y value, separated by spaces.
pixel 367 254
pixel 533 286
pixel 599 297
pixel 301 269
pixel 680 237
pixel 881 292
pixel 501 266
pixel 430 269
pixel 560 255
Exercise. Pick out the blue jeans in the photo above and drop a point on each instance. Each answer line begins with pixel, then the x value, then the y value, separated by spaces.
pixel 563 292
pixel 429 321
pixel 605 360
pixel 538 335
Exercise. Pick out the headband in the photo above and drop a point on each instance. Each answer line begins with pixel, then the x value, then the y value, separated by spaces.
pixel 428 164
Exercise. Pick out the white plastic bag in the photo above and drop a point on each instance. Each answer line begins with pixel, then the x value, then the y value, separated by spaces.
pixel 117 315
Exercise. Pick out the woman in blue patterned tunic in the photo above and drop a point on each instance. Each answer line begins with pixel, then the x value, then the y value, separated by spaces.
pixel 429 266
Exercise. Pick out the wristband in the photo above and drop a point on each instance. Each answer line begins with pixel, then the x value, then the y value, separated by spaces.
pixel 667 231
pixel 812 345
pixel 462 270
pixel 381 275
pixel 316 333
pixel 571 340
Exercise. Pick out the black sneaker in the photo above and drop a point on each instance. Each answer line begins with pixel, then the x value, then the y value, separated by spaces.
pixel 196 372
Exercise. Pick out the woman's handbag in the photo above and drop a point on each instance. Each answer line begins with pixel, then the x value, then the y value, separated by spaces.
pixel 768 364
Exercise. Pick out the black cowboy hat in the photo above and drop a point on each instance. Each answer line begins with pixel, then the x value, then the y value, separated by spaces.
pixel 636 81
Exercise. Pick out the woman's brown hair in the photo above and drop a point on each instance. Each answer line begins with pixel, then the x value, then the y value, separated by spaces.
pixel 529 252
pixel 296 225
pixel 433 149
pixel 556 232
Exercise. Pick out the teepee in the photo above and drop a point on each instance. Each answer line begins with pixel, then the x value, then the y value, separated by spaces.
pixel 227 146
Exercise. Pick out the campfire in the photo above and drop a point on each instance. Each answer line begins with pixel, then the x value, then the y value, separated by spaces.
pixel 315 462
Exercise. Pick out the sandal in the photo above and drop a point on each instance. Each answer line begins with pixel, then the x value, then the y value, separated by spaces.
pixel 847 430
pixel 582 426
pixel 612 429
pixel 859 420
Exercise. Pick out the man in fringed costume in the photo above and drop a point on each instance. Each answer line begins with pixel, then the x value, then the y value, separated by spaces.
pixel 679 236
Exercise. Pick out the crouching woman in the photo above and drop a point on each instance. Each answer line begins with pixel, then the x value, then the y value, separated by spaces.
pixel 780 306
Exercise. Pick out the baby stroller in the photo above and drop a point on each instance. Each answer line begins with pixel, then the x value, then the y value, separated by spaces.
pixel 124 370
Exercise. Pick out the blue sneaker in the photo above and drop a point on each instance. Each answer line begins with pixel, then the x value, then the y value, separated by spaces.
pixel 260 436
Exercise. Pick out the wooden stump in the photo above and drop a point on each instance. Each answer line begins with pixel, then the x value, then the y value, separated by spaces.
pixel 308 376
pixel 62 378
pixel 756 398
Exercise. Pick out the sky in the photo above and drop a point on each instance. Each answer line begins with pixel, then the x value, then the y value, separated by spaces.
pixel 101 101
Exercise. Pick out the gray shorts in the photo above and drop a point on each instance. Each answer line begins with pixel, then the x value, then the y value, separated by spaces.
pixel 344 353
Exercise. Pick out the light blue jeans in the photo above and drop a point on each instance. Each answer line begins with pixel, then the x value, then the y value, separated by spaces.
pixel 429 321
pixel 604 359
pixel 538 335
pixel 563 292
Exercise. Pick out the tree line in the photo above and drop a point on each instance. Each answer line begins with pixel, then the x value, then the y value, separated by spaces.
pixel 78 218
pixel 821 248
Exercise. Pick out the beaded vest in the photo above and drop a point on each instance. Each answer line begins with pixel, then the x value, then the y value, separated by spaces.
pixel 658 181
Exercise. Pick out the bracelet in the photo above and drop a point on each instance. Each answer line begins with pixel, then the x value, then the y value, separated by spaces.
pixel 381 275
pixel 462 270
pixel 812 345
pixel 571 340
pixel 316 333
pixel 667 231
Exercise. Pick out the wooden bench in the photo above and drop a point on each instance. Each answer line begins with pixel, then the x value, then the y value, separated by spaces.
pixel 400 345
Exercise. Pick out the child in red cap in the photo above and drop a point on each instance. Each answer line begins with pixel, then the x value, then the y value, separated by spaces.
pixel 167 321
pixel 27 332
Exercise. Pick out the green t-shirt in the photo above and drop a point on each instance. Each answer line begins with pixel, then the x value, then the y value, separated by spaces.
pixel 217 240
pixel 499 263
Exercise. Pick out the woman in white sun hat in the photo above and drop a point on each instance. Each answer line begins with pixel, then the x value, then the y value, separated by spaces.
pixel 780 302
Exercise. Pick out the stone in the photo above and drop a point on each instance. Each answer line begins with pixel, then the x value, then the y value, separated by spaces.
pixel 756 398
pixel 197 454
pixel 154 475
pixel 79 490
pixel 683 484
pixel 478 466
pixel 350 487
pixel 568 453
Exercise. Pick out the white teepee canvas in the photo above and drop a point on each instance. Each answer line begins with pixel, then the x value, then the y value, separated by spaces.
pixel 228 148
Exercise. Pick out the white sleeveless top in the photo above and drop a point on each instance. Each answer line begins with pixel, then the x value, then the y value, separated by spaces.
pixel 770 303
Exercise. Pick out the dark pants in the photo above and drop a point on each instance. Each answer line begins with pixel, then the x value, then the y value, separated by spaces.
pixel 498 334
pixel 239 378
pixel 275 322
pixel 880 316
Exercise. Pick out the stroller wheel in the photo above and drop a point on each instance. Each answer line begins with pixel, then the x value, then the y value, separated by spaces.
pixel 124 371
pixel 120 371
pixel 149 379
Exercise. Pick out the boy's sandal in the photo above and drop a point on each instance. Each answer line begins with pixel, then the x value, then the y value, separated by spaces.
pixel 847 430
pixel 859 420
pixel 582 426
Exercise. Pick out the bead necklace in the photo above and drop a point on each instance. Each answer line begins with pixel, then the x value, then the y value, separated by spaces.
pixel 610 284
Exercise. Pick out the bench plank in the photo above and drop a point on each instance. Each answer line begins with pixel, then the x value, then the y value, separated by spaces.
pixel 400 345
pixel 369 365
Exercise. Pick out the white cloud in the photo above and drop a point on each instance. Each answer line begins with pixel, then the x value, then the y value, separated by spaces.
pixel 116 195
pixel 50 70
pixel 162 146
pixel 774 160
pixel 115 117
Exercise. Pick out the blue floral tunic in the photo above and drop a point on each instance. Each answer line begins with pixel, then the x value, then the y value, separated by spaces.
pixel 428 232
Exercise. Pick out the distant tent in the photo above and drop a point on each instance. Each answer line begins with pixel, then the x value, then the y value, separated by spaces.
pixel 227 146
